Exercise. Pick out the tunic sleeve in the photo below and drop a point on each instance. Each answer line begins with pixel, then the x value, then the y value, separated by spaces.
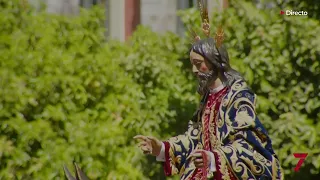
pixel 178 149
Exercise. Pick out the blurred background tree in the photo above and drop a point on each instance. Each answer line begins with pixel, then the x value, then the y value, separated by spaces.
pixel 68 95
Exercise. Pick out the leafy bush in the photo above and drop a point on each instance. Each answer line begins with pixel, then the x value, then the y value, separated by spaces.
pixel 67 94
pixel 64 97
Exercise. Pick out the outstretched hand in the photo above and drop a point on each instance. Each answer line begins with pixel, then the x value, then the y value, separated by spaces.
pixel 149 145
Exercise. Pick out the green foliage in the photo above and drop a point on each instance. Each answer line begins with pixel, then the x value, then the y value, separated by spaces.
pixel 59 87
pixel 67 94
pixel 155 63
pixel 279 56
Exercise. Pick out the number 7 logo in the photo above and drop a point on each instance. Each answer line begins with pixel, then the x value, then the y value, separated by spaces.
pixel 301 157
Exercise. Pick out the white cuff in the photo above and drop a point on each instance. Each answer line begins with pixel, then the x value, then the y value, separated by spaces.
pixel 162 156
pixel 212 164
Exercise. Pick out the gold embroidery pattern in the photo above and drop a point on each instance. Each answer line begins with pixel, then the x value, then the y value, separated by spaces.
pixel 223 165
pixel 178 145
pixel 213 138
pixel 239 155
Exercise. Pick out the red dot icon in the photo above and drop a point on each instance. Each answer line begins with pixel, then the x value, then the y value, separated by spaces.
pixel 281 12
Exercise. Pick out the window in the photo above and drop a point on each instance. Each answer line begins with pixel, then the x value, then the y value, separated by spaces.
pixel 89 3
pixel 183 4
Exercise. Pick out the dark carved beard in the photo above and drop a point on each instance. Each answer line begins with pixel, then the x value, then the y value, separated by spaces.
pixel 204 81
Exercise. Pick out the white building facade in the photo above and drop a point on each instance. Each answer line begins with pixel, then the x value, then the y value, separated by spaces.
pixel 123 15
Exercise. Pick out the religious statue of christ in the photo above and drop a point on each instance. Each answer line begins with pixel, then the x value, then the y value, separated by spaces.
pixel 225 139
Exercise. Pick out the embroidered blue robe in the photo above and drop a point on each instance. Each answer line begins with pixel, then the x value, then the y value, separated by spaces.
pixel 240 143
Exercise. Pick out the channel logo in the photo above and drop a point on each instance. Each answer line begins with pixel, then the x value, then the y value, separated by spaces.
pixel 293 13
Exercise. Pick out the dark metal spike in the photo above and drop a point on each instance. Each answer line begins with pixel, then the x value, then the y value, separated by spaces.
pixel 67 173
pixel 80 175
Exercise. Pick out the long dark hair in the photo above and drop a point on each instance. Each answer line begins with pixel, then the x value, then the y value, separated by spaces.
pixel 219 59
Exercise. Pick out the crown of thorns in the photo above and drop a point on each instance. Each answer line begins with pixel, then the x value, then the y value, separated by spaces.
pixel 219 35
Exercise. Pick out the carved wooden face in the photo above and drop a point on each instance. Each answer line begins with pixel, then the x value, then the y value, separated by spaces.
pixel 202 69
pixel 199 64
